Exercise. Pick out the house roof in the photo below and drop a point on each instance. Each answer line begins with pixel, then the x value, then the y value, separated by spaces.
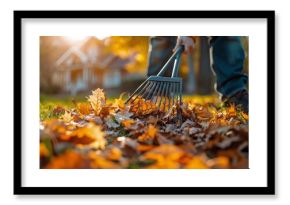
pixel 73 50
pixel 110 61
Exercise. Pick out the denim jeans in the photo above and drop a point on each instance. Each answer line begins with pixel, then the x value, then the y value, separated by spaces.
pixel 227 60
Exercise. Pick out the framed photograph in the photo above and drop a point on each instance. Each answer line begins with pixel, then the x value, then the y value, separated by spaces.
pixel 144 102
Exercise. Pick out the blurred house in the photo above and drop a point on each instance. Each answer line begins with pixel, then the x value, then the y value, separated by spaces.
pixel 87 66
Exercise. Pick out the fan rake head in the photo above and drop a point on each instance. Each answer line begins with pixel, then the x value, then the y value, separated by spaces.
pixel 164 92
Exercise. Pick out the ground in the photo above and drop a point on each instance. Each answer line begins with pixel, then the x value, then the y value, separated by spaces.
pixel 95 132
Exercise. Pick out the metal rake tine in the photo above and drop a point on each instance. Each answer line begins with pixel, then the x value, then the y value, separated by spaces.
pixel 150 84
pixel 147 97
pixel 174 91
pixel 162 92
pixel 177 93
pixel 131 96
pixel 157 90
pixel 155 84
pixel 145 86
pixel 159 98
pixel 169 94
pixel 180 93
pixel 162 84
pixel 165 96
pixel 145 92
pixel 173 94
pixel 154 90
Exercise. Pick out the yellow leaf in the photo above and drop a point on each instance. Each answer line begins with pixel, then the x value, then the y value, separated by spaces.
pixel 97 100
pixel 119 103
pixel 67 117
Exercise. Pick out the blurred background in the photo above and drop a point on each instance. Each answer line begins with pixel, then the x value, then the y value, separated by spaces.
pixel 73 65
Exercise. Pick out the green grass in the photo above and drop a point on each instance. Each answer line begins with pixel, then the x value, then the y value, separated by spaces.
pixel 48 103
pixel 46 109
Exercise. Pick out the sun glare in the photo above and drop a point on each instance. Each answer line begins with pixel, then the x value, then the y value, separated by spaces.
pixel 78 39
pixel 75 39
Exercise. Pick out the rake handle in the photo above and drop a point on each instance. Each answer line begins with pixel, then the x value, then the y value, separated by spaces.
pixel 176 57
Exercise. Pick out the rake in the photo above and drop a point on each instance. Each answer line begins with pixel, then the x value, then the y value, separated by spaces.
pixel 164 92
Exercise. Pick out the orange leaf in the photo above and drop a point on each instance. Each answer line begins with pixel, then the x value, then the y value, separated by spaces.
pixel 114 153
pixel 68 160
pixel 128 123
pixel 232 112
pixel 84 108
pixel 196 163
pixel 219 162
pixel 149 134
pixel 166 157
pixel 43 150
pixel 91 135
pixel 99 162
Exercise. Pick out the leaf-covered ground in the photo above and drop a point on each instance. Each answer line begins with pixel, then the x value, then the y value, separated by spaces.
pixel 109 134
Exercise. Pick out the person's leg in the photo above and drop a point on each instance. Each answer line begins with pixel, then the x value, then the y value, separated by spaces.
pixel 160 50
pixel 228 61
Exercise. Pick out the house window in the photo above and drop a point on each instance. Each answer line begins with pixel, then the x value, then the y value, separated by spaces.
pixel 112 79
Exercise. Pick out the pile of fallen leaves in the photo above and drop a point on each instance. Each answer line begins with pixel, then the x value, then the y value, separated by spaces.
pixel 101 134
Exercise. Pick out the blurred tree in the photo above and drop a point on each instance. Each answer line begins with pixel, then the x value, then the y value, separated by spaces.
pixel 126 46
pixel 51 48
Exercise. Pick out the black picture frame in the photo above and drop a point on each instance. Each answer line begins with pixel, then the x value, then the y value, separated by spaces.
pixel 268 190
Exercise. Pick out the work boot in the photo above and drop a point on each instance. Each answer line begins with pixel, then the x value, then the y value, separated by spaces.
pixel 240 99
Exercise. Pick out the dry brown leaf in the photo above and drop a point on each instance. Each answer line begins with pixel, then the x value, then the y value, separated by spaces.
pixel 97 100
pixel 141 106
pixel 202 113
pixel 91 135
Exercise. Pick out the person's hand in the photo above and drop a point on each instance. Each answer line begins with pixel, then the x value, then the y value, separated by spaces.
pixel 187 42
